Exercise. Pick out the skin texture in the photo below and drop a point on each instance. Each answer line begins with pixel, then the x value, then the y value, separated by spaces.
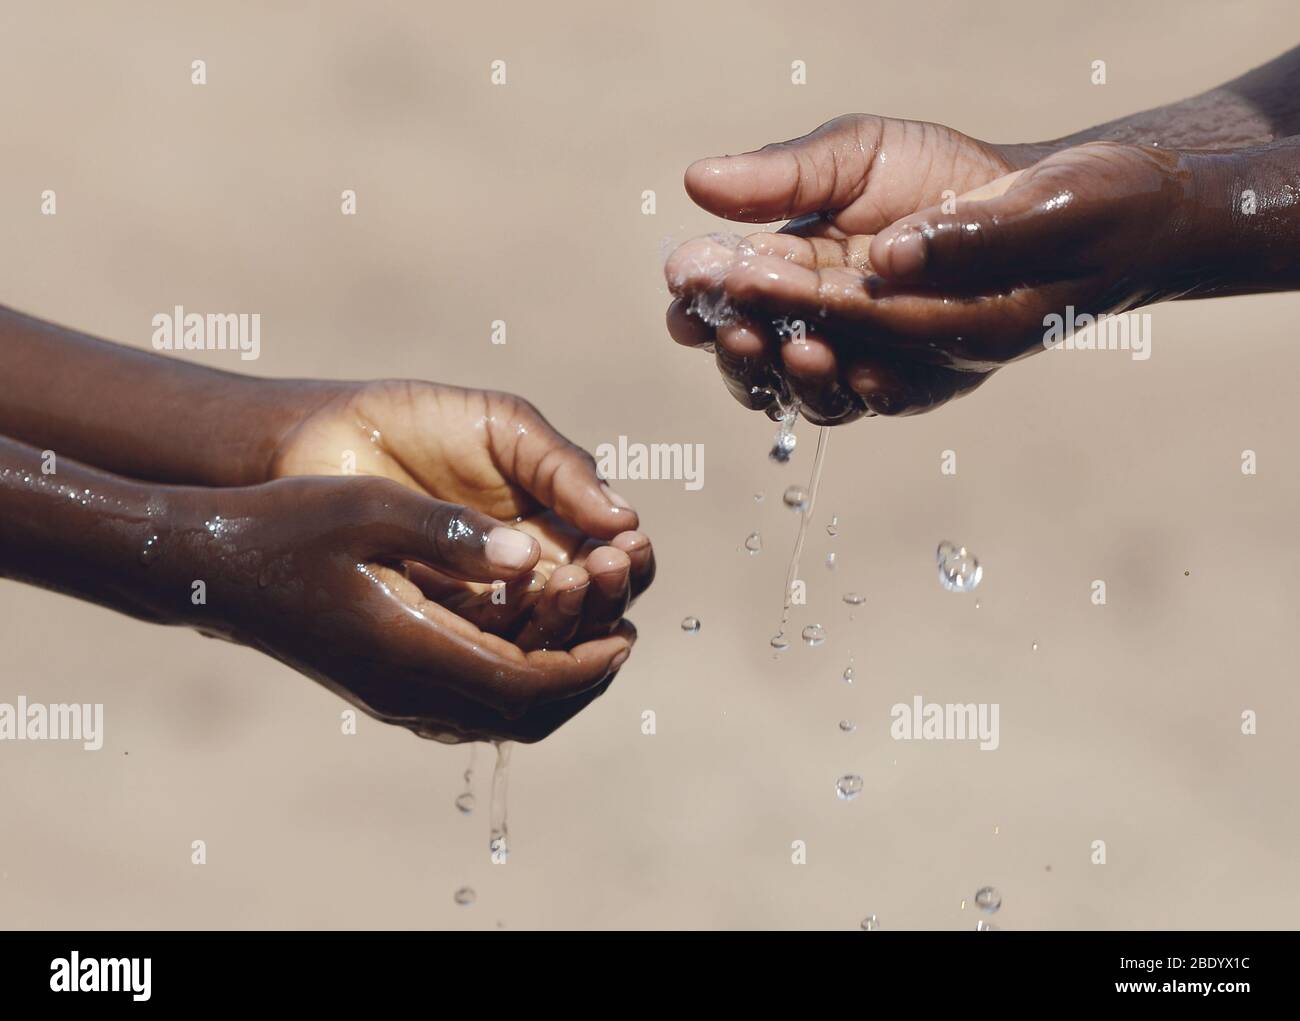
pixel 920 260
pixel 395 582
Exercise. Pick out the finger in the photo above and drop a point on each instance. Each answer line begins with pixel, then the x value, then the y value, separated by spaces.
pixel 642 556
pixel 609 592
pixel 686 329
pixel 745 356
pixel 902 388
pixel 813 372
pixel 826 169
pixel 555 616
pixel 558 473
pixel 403 525
pixel 997 230
pixel 504 607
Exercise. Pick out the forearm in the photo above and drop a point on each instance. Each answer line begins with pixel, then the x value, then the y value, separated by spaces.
pixel 136 413
pixel 85 533
pixel 1242 230
pixel 1257 108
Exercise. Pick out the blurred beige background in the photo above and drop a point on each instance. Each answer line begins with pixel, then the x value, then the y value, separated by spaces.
pixel 522 203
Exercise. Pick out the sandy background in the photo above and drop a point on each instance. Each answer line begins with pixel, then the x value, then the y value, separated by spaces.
pixel 523 203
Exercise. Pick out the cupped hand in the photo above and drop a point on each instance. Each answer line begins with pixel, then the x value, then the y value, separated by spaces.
pixel 900 309
pixel 309 570
pixel 495 453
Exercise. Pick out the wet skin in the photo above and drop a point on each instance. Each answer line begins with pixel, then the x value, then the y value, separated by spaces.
pixel 921 260
pixel 378 584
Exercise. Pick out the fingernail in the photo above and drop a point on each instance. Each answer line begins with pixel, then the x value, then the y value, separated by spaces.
pixel 907 252
pixel 509 548
pixel 614 498
pixel 620 659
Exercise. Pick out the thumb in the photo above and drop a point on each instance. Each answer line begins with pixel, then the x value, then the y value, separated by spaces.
pixel 1006 226
pixel 824 170
pixel 456 540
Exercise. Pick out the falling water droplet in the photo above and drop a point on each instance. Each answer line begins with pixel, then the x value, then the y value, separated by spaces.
pixel 498 826
pixel 959 571
pixel 833 529
pixel 465 802
pixel 848 726
pixel 870 923
pixel 758 497
pixel 848 787
pixel 848 675
pixel 814 634
pixel 854 598
pixel 796 498
pixel 691 625
pixel 830 561
pixel 779 643
pixel 1034 647
pixel 988 899
pixel 977 604
pixel 150 550
pixel 754 543
pixel 983 926
pixel 465 896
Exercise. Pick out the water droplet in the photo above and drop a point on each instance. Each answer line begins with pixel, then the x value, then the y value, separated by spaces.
pixel 754 543
pixel 848 787
pixel 465 896
pixel 848 675
pixel 1034 647
pixel 977 604
pixel 499 849
pixel 758 497
pixel 465 802
pixel 150 550
pixel 983 926
pixel 854 598
pixel 988 899
pixel 870 923
pixel 779 643
pixel 830 561
pixel 833 529
pixel 796 498
pixel 814 634
pixel 848 726
pixel 959 571
pixel 691 625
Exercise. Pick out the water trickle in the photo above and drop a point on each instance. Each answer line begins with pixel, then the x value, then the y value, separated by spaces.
pixel 691 625
pixel 848 787
pixel 499 836
pixel 465 799
pixel 806 508
pixel 753 543
pixel 959 571
pixel 814 634
pixel 785 441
